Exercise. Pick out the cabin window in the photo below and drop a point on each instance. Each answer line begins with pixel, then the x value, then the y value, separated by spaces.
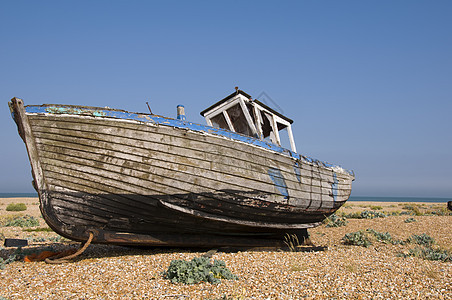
pixel 281 126
pixel 252 118
pixel 266 126
pixel 238 120
pixel 284 137
pixel 219 121
pixel 268 129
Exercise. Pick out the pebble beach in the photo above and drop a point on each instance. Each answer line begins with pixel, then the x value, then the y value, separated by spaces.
pixel 379 271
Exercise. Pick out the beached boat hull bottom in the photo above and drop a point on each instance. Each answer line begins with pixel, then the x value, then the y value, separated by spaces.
pixel 156 223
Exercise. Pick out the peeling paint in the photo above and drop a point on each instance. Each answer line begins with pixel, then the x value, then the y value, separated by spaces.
pixel 297 171
pixel 75 111
pixel 278 180
pixel 334 186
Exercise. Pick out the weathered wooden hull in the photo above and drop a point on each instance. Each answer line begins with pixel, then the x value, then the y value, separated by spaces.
pixel 148 180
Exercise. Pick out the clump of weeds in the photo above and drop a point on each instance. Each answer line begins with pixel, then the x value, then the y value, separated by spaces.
pixel 367 237
pixel 22 221
pixel 366 214
pixel 16 207
pixel 335 221
pixel 197 270
pixel 426 248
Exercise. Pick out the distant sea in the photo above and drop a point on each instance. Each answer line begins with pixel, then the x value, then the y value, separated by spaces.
pixel 352 198
pixel 18 195
pixel 399 199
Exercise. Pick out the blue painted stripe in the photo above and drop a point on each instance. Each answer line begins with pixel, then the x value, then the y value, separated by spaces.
pixel 278 180
pixel 155 119
pixel 334 186
pixel 296 168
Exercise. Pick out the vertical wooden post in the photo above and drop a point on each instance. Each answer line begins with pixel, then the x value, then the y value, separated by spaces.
pixel 275 131
pixel 292 141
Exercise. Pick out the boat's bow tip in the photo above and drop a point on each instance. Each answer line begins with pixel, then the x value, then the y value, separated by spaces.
pixel 13 103
pixel 16 100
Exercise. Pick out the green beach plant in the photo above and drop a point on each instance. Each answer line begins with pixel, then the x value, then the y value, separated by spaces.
pixel 197 270
pixel 383 237
pixel 16 207
pixel 366 237
pixel 11 258
pixel 22 221
pixel 421 239
pixel 427 248
pixel 394 213
pixel 358 238
pixel 443 211
pixel 376 207
pixel 366 214
pixel 413 209
pixel 428 253
pixel 4 262
pixel 335 221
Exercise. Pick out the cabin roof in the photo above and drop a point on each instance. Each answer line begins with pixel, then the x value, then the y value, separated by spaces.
pixel 249 97
pixel 273 111
pixel 224 100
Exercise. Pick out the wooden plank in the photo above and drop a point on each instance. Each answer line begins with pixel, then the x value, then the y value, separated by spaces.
pixel 110 203
pixel 250 174
pixel 161 134
pixel 157 154
pixel 97 182
pixel 79 206
pixel 145 168
pixel 113 203
pixel 65 217
pixel 226 179
pixel 88 179
pixel 91 181
pixel 131 161
pixel 318 183
pixel 187 136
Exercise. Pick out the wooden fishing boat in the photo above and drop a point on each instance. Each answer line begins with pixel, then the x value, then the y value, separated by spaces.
pixel 144 179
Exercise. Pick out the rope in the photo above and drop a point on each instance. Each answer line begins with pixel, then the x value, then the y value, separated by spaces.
pixel 79 251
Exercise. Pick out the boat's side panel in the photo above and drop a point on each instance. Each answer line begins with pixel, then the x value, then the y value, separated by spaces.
pixel 164 142
pixel 125 176
pixel 212 164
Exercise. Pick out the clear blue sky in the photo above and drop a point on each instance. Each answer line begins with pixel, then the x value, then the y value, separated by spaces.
pixel 368 83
